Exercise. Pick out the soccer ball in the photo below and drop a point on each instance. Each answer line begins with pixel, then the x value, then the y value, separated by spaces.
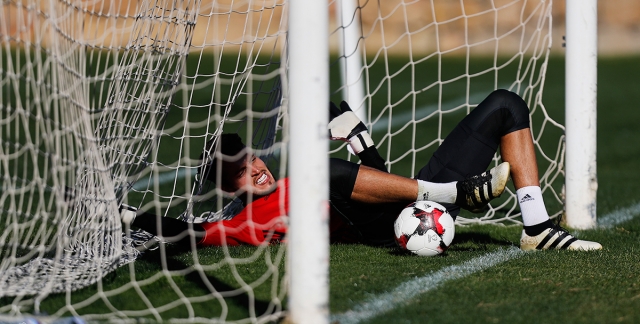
pixel 425 228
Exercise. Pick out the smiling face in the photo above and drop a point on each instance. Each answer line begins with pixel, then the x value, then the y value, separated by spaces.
pixel 247 175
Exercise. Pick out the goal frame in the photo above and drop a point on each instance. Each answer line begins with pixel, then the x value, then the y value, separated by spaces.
pixel 306 88
pixel 580 132
pixel 581 68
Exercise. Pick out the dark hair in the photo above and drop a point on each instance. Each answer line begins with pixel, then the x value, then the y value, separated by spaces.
pixel 228 144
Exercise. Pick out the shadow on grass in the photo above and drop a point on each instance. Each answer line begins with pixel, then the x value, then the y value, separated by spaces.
pixel 471 241
pixel 468 241
pixel 204 281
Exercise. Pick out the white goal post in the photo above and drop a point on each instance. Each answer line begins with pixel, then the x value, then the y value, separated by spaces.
pixel 105 103
pixel 308 84
pixel 581 112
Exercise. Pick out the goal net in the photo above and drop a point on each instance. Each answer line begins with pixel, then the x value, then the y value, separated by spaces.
pixel 112 103
pixel 423 65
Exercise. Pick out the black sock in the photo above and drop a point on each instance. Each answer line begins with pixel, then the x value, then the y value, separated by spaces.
pixel 534 230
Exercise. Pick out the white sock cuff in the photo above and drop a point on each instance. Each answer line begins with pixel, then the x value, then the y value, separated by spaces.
pixel 438 192
pixel 423 193
pixel 532 191
pixel 532 205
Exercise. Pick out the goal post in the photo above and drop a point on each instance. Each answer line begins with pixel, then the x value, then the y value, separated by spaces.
pixel 308 84
pixel 581 112
pixel 351 72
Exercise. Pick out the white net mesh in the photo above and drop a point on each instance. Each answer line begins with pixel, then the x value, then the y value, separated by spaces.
pixel 113 101
pixel 97 108
pixel 428 63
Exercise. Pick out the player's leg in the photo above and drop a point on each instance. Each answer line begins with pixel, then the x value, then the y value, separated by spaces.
pixel 471 145
pixel 538 232
pixel 502 119
pixel 370 199
pixel 374 187
pixel 517 147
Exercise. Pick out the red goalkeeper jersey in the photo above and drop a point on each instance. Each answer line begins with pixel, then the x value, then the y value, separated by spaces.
pixel 262 220
pixel 265 221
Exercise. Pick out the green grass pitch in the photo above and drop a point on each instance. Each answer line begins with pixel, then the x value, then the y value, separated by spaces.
pixel 538 287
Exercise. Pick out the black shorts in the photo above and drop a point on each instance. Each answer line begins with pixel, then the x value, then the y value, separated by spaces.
pixel 466 151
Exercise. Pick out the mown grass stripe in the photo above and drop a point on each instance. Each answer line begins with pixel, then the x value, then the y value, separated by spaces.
pixel 422 111
pixel 163 178
pixel 388 301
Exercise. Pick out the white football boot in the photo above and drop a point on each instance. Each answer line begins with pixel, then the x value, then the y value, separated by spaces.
pixel 474 193
pixel 557 238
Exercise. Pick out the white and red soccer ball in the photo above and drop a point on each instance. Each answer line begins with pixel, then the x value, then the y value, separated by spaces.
pixel 425 228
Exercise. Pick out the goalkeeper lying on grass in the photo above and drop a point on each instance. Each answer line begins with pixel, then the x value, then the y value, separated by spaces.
pixel 368 198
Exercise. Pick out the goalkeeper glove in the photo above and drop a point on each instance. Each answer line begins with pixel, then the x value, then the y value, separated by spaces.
pixel 344 125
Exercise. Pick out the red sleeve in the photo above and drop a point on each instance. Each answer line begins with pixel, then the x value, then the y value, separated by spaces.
pixel 262 221
pixel 232 232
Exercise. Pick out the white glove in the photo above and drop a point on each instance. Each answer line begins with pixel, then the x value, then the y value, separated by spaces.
pixel 344 125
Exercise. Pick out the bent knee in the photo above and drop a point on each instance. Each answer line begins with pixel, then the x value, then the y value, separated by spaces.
pixel 517 107
pixel 506 109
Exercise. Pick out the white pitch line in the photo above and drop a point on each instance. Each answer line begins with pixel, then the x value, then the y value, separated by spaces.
pixel 406 291
pixel 619 216
pixel 386 302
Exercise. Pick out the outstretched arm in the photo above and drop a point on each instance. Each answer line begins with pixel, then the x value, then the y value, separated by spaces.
pixel 263 226
pixel 371 158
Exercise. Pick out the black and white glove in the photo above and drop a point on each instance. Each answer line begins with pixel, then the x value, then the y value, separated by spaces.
pixel 344 125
